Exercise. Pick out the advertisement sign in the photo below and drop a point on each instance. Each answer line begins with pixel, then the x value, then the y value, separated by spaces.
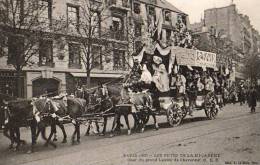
pixel 193 57
pixel 206 59
pixel 184 56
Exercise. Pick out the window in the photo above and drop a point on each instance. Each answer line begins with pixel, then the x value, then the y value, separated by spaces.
pixel 95 24
pixel 137 8
pixel 73 17
pixel 15 49
pixel 151 15
pixel 74 55
pixel 138 29
pixel 168 34
pixel 96 57
pixel 117 28
pixel 2 45
pixel 45 8
pixel 119 59
pixel 17 8
pixel 151 10
pixel 167 15
pixel 138 46
pixel 46 53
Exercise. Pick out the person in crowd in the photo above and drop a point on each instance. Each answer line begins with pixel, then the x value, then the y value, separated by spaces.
pixel 181 84
pixel 224 95
pixel 241 93
pixel 146 77
pixel 102 91
pixel 2 118
pixel 173 87
pixel 160 76
pixel 200 87
pixel 192 94
pixel 136 71
pixel 79 93
pixel 209 86
pixel 252 99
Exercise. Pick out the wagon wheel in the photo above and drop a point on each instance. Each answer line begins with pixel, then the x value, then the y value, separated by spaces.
pixel 184 112
pixel 174 115
pixel 146 119
pixel 211 110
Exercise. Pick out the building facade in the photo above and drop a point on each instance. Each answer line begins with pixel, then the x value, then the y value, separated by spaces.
pixel 59 60
pixel 227 22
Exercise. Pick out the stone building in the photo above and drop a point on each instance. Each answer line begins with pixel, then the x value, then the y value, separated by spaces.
pixel 227 22
pixel 58 64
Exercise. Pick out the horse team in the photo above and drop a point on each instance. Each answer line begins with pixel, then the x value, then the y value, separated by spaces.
pixel 39 113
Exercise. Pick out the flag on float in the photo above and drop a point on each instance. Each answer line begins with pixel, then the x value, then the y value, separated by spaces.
pixel 138 55
pixel 157 35
pixel 175 66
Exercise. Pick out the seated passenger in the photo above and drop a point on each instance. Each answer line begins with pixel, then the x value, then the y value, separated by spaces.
pixel 181 84
pixel 208 84
pixel 146 78
pixel 192 93
pixel 200 87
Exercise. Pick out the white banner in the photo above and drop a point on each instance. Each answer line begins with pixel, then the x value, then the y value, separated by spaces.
pixel 206 59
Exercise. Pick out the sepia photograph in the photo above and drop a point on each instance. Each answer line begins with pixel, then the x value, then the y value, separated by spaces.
pixel 129 82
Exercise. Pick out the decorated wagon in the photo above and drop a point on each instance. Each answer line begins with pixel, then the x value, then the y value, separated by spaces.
pixel 155 93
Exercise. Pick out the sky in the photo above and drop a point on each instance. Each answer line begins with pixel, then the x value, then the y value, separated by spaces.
pixel 195 8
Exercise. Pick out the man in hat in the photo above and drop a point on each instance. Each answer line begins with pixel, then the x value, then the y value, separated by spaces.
pixel 252 100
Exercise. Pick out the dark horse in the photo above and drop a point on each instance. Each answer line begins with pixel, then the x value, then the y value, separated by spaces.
pixel 45 115
pixel 20 113
pixel 68 110
pixel 124 105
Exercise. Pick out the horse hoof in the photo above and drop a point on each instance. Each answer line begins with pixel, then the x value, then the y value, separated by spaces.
pixel 129 132
pixel 64 141
pixel 10 147
pixel 29 152
pixel 111 135
pixel 156 126
pixel 142 130
pixel 55 139
pixel 101 134
pixel 23 142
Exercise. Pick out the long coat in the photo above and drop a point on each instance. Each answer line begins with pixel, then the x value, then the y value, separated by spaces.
pixel 252 97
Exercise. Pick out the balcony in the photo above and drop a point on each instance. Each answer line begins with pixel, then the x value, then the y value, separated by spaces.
pixel 47 64
pixel 119 4
pixel 117 67
pixel 75 66
pixel 119 35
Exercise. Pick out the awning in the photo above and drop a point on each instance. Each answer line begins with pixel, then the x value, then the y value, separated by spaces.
pixel 98 75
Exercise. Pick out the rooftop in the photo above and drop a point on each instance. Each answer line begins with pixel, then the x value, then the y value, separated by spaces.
pixel 163 4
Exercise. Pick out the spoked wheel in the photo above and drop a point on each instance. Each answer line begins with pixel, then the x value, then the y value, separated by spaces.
pixel 146 119
pixel 211 112
pixel 211 109
pixel 184 112
pixel 174 115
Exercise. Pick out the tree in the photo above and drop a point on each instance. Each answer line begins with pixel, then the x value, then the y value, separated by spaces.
pixel 93 34
pixel 22 25
pixel 252 63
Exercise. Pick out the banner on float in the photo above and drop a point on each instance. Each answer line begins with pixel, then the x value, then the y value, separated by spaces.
pixel 193 57
pixel 184 56
pixel 206 59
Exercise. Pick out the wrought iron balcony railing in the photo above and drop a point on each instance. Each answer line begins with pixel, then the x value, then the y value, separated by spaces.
pixel 119 3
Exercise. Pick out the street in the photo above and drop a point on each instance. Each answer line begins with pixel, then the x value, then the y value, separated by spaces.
pixel 232 138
